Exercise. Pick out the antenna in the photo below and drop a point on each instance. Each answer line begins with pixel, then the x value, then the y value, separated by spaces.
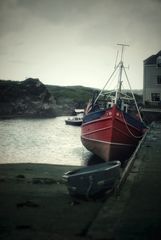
pixel 122 49
pixel 121 66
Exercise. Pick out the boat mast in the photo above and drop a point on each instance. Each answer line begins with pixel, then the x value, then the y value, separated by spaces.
pixel 121 66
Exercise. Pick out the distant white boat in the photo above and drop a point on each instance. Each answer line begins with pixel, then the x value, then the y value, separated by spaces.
pixel 77 119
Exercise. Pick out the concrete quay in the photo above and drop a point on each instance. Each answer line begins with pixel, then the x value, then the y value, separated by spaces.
pixel 35 204
pixel 135 213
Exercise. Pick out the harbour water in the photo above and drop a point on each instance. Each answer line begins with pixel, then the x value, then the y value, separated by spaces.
pixel 48 141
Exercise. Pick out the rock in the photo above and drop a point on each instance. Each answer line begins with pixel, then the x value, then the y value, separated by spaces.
pixel 28 98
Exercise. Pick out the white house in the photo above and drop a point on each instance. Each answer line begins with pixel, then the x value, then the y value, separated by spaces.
pixel 152 81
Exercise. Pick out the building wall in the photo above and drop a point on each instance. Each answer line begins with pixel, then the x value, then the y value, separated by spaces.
pixel 152 84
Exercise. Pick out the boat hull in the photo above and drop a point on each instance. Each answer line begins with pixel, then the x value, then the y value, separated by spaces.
pixel 112 136
pixel 108 151
pixel 93 180
pixel 73 122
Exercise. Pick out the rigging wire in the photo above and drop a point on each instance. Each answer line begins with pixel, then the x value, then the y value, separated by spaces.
pixel 106 83
pixel 133 95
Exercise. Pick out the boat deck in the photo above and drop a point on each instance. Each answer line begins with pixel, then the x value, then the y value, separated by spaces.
pixel 35 204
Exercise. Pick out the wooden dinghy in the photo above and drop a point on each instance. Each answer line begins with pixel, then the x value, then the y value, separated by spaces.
pixel 93 180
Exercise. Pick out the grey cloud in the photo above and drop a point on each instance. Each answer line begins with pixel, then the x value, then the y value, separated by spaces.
pixel 12 17
pixel 68 11
pixel 14 13
pixel 125 20
pixel 97 22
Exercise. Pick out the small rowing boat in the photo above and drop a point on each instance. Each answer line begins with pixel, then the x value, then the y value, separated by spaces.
pixel 93 180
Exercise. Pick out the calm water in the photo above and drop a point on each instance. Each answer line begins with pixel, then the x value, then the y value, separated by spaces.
pixel 41 141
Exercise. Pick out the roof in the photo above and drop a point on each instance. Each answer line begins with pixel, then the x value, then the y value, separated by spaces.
pixel 152 59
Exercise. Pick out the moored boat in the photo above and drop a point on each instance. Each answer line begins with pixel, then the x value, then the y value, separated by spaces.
pixel 93 180
pixel 112 127
pixel 77 119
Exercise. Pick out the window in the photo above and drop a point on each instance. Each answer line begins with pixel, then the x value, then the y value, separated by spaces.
pixel 159 61
pixel 155 97
pixel 158 79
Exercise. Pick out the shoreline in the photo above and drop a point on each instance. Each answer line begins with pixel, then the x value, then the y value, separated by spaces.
pixel 7 117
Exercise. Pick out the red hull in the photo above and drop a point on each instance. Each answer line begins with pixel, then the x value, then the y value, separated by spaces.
pixel 111 136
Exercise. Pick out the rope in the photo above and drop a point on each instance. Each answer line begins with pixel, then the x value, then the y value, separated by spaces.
pixel 129 129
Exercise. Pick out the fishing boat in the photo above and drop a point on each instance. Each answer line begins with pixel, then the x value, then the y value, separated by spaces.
pixel 93 180
pixel 77 119
pixel 112 125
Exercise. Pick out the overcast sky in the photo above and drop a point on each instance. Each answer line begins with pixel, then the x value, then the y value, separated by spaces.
pixel 74 42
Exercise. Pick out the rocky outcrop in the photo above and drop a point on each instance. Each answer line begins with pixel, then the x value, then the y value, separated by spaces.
pixel 28 98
